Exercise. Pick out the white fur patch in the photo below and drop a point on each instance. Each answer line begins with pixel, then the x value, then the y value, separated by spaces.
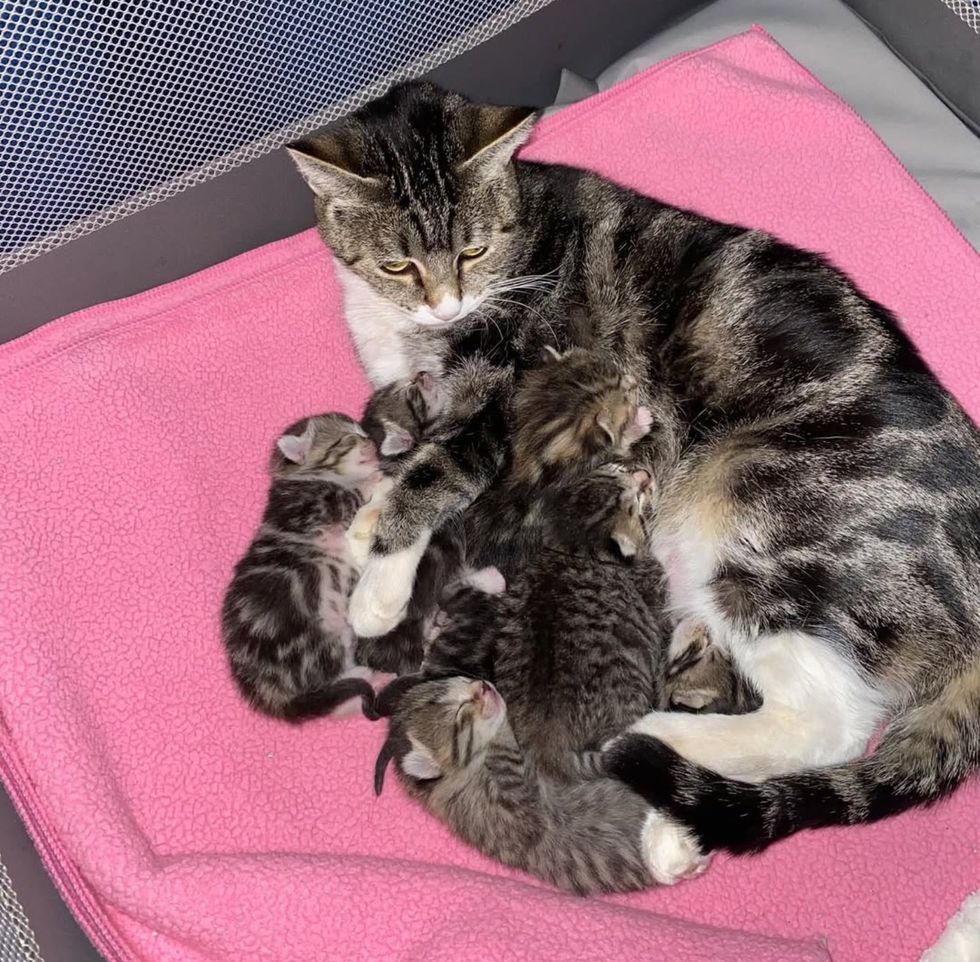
pixel 960 941
pixel 377 326
pixel 488 580
pixel 816 711
pixel 378 603
pixel 670 851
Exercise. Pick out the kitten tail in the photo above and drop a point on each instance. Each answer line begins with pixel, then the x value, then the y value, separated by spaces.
pixel 316 704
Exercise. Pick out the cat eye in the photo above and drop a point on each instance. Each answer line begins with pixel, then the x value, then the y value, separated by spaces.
pixel 396 267
pixel 471 253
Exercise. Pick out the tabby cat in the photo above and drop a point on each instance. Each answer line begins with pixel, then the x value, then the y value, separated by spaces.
pixel 818 490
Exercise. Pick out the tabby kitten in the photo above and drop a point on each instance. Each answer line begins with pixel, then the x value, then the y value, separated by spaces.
pixel 284 618
pixel 818 490
pixel 456 753
pixel 397 418
pixel 576 418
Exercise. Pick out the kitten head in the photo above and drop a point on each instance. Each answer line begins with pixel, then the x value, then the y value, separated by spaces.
pixel 440 728
pixel 416 195
pixel 397 416
pixel 610 509
pixel 329 447
pixel 575 410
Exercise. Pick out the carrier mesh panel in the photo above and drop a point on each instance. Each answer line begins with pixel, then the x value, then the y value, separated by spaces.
pixel 968 10
pixel 17 942
pixel 108 106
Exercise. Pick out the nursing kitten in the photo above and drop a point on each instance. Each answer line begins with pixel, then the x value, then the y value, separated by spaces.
pixel 576 418
pixel 397 418
pixel 284 618
pixel 818 489
pixel 576 649
pixel 456 754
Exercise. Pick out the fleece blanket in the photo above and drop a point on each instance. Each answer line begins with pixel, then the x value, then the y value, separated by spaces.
pixel 179 826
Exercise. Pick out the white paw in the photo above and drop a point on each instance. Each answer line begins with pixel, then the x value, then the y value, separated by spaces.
pixel 670 851
pixel 380 598
pixel 361 529
pixel 488 580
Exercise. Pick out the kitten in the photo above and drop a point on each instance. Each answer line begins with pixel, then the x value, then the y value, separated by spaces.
pixel 818 493
pixel 576 648
pixel 284 618
pixel 576 417
pixel 456 753
pixel 397 418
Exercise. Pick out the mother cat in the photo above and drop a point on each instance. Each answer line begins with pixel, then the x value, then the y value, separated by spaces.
pixel 819 490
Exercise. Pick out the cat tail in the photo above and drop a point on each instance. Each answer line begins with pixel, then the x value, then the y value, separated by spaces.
pixel 924 755
pixel 322 701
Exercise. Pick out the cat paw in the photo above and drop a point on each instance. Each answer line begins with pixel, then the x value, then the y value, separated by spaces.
pixel 638 426
pixel 380 598
pixel 670 851
pixel 488 580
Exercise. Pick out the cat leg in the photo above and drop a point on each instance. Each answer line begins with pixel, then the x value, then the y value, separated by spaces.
pixel 671 852
pixel 816 710
pixel 439 479
pixel 362 527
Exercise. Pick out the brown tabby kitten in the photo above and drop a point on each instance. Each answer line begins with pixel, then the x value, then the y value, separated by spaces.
pixel 397 418
pixel 818 489
pixel 285 612
pixel 576 648
pixel 456 753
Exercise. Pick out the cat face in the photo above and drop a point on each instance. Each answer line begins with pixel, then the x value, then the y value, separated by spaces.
pixel 416 195
pixel 443 727
pixel 397 415
pixel 331 447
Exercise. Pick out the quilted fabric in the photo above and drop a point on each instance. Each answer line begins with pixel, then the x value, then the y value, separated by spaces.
pixel 181 827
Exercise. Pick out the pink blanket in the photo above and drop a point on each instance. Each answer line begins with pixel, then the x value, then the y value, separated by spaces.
pixel 180 826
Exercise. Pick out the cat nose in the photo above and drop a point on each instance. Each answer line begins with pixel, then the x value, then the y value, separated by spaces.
pixel 447 308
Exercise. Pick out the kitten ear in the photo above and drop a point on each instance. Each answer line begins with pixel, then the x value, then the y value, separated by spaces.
pixel 495 134
pixel 605 424
pixel 627 546
pixel 297 447
pixel 396 440
pixel 642 479
pixel 420 764
pixel 329 165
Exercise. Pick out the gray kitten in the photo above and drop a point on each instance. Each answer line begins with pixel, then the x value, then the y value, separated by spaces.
pixel 397 418
pixel 284 618
pixel 575 649
pixel 456 753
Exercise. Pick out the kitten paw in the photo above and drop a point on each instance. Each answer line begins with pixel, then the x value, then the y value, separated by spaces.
pixel 671 852
pixel 638 426
pixel 380 598
pixel 488 580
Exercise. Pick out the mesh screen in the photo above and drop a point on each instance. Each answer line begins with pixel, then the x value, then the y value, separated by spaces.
pixel 968 10
pixel 17 943
pixel 107 106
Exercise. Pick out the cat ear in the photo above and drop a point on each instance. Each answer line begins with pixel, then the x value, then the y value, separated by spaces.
pixel 495 135
pixel 420 764
pixel 627 546
pixel 396 440
pixel 329 165
pixel 297 447
pixel 642 479
pixel 605 424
